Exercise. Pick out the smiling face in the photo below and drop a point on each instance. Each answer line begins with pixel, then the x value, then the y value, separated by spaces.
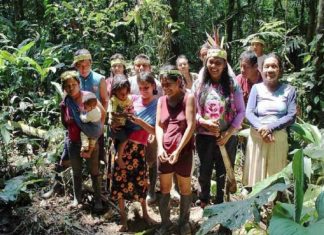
pixel 170 86
pixel 71 87
pixel 271 72
pixel 83 67
pixel 215 66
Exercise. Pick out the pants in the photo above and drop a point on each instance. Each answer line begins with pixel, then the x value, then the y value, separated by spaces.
pixel 210 158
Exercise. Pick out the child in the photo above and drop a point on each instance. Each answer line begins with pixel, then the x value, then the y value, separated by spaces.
pixel 120 108
pixel 92 114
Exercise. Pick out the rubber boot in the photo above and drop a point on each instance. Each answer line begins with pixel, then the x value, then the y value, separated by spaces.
pixel 164 208
pixel 151 196
pixel 96 185
pixel 77 190
pixel 184 225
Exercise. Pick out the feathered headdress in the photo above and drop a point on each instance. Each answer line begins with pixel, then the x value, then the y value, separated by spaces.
pixel 216 45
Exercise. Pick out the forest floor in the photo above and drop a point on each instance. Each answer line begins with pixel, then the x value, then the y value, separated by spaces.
pixel 54 215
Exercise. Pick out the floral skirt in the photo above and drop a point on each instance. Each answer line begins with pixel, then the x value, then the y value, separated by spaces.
pixel 131 183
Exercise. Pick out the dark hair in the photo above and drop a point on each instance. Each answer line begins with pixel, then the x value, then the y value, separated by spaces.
pixel 120 81
pixel 225 82
pixel 114 57
pixel 277 57
pixel 142 56
pixel 91 102
pixel 181 57
pixel 249 56
pixel 172 76
pixel 147 77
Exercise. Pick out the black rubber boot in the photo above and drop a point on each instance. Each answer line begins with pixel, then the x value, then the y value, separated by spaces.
pixel 184 225
pixel 164 207
pixel 96 185
pixel 77 190
pixel 151 196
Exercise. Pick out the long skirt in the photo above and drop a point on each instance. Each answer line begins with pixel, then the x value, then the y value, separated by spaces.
pixel 131 183
pixel 264 159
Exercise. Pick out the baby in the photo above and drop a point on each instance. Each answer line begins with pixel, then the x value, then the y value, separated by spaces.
pixel 92 114
pixel 120 108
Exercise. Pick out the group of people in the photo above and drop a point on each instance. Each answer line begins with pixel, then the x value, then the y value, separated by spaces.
pixel 156 122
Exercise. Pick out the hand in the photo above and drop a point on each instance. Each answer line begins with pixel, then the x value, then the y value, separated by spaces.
pixel 264 131
pixel 173 158
pixel 210 125
pixel 134 119
pixel 121 163
pixel 224 137
pixel 269 138
pixel 162 155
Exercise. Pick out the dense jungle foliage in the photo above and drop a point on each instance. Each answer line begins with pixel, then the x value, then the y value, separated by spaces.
pixel 37 42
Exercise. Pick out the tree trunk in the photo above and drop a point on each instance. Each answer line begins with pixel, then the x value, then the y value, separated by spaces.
pixel 174 13
pixel 312 21
pixel 229 26
pixel 320 43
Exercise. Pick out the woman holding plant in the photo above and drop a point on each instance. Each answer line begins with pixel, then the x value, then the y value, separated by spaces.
pixel 271 108
pixel 220 112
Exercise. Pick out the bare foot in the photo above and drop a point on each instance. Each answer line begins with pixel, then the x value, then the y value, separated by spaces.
pixel 123 228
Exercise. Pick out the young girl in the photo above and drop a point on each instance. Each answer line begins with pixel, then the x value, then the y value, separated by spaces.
pixel 120 108
pixel 92 114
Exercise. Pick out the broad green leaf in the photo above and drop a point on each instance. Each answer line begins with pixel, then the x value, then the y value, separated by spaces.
pixel 298 170
pixel 319 204
pixel 35 65
pixel 12 189
pixel 245 132
pixel 8 56
pixel 307 58
pixel 22 49
pixel 234 214
pixel 67 5
pixel 303 132
pixel 315 132
pixel 282 176
pixel 58 88
pixel 5 134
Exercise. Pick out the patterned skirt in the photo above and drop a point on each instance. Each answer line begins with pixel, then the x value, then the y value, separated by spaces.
pixel 131 183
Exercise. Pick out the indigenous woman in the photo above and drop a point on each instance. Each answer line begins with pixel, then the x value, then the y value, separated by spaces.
pixel 220 112
pixel 175 124
pixel 70 112
pixel 271 108
pixel 117 66
pixel 183 67
pixel 130 177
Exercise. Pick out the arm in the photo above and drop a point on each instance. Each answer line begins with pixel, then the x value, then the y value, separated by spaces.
pixel 103 94
pixel 63 115
pixel 162 155
pixel 250 108
pixel 103 112
pixel 290 117
pixel 191 124
pixel 149 128
pixel 237 121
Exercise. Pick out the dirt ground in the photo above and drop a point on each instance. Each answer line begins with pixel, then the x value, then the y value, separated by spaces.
pixel 35 215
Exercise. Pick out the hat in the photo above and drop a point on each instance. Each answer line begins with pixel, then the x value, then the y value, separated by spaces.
pixel 216 52
pixel 88 96
pixel 117 61
pixel 80 55
pixel 258 40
